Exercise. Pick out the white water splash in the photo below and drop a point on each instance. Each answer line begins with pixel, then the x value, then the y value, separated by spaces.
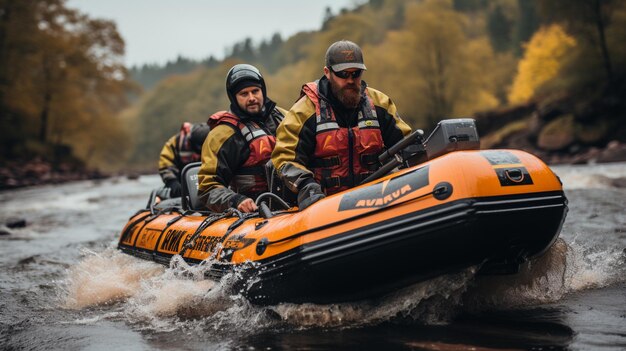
pixel 107 277
pixel 591 268
pixel 156 298
pixel 159 298
pixel 600 176
pixel 563 269
pixel 429 302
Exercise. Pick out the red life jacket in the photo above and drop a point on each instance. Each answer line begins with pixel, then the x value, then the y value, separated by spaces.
pixel 185 151
pixel 344 157
pixel 260 143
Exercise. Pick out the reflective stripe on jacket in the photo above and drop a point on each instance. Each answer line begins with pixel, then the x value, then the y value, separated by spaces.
pixel 260 146
pixel 343 157
pixel 233 158
pixel 297 145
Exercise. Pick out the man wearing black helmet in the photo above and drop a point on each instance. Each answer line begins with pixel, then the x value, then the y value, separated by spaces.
pixel 240 144
pixel 332 136
pixel 180 150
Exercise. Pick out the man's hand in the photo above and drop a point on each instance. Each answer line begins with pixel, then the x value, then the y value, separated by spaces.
pixel 247 205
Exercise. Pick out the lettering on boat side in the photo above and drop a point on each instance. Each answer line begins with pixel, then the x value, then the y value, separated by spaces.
pixel 205 243
pixel 238 242
pixel 387 192
pixel 128 234
pixel 147 236
pixel 172 239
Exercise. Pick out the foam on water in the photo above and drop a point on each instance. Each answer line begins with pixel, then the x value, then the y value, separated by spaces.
pixel 107 277
pixel 178 298
pixel 563 269
pixel 161 299
pixel 428 302
pixel 592 268
pixel 158 298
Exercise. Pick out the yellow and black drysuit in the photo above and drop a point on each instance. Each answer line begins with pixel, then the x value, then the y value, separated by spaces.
pixel 322 141
pixel 234 156
pixel 180 150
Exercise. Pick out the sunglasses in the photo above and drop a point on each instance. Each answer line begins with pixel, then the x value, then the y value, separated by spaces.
pixel 344 74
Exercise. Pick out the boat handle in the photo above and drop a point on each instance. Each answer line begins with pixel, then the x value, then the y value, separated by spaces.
pixel 515 175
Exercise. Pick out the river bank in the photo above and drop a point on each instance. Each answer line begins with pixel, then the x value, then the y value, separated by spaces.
pixel 25 173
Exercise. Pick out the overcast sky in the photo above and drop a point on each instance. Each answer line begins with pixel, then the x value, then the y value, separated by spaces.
pixel 157 31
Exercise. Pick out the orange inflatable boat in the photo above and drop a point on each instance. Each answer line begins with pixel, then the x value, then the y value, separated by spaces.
pixel 462 207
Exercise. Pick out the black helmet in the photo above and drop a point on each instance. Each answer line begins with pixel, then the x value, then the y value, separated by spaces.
pixel 198 135
pixel 242 76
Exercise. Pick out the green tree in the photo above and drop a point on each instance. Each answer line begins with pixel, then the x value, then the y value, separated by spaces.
pixel 527 23
pixel 432 69
pixel 499 27
pixel 587 20
pixel 543 58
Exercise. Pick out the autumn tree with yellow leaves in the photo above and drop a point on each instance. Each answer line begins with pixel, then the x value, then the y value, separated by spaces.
pixel 432 67
pixel 435 58
pixel 543 57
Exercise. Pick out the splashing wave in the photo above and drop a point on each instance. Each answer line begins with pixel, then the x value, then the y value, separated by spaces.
pixel 162 299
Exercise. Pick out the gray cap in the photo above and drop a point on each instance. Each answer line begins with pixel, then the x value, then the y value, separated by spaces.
pixel 344 54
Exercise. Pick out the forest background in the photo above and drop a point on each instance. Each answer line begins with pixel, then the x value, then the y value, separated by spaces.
pixel 547 76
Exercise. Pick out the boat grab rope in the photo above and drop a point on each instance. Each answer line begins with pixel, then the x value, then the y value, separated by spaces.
pixel 165 210
pixel 438 190
pixel 189 243
pixel 132 225
pixel 231 212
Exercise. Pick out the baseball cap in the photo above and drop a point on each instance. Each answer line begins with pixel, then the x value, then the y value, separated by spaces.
pixel 344 54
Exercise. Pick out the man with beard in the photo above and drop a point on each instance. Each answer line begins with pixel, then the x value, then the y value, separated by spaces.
pixel 240 144
pixel 331 137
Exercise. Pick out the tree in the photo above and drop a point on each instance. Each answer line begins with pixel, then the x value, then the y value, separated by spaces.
pixel 585 19
pixel 328 16
pixel 431 68
pixel 63 74
pixel 527 24
pixel 499 27
pixel 244 50
pixel 541 62
pixel 441 63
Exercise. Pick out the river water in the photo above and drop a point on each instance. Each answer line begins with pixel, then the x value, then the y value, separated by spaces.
pixel 64 286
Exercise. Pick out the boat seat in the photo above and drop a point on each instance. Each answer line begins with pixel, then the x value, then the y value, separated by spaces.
pixel 189 180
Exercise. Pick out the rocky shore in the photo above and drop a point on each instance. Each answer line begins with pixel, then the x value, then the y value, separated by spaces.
pixel 560 130
pixel 17 174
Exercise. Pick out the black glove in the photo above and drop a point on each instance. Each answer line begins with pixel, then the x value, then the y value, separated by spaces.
pixel 309 194
pixel 175 188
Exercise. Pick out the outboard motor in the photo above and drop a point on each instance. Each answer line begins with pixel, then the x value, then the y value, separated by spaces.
pixel 452 135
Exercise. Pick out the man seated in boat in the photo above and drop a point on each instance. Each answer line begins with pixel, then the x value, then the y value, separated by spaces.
pixel 240 144
pixel 331 137
pixel 180 150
